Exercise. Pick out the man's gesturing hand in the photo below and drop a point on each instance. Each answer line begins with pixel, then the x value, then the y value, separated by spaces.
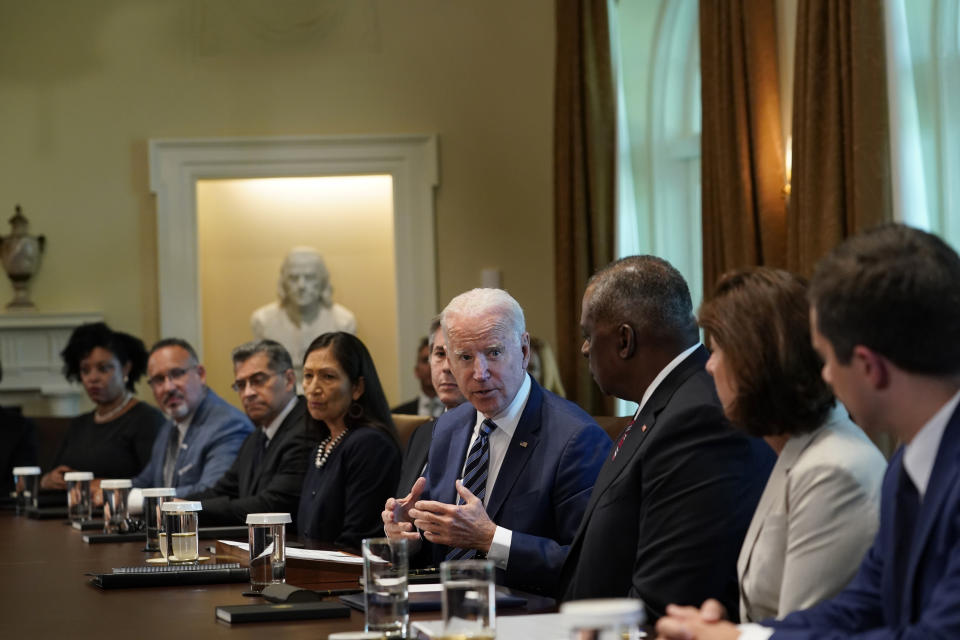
pixel 466 526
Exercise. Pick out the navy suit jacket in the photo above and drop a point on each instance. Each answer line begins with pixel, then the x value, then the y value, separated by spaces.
pixel 668 515
pixel 542 488
pixel 209 448
pixel 877 606
pixel 272 486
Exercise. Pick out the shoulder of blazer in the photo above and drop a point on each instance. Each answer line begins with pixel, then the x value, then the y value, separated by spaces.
pixel 693 364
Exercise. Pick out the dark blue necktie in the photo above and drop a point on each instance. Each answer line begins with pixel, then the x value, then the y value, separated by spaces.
pixel 475 478
pixel 905 525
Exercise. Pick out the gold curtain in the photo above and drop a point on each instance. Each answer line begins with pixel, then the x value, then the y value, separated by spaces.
pixel 584 177
pixel 841 135
pixel 742 166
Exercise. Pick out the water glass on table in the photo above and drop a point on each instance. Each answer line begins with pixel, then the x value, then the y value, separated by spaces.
pixel 26 480
pixel 116 493
pixel 469 599
pixel 79 506
pixel 180 524
pixel 385 586
pixel 267 535
pixel 153 499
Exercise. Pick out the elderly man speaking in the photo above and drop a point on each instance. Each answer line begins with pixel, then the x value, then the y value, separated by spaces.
pixel 510 471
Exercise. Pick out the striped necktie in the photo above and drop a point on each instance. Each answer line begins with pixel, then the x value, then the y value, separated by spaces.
pixel 475 478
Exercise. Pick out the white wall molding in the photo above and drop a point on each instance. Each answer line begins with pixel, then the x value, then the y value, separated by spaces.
pixel 411 160
pixel 30 346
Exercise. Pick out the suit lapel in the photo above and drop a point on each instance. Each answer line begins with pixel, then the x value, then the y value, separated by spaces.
pixel 943 478
pixel 771 494
pixel 643 426
pixel 457 453
pixel 518 454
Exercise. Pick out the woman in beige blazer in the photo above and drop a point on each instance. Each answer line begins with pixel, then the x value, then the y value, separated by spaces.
pixel 819 511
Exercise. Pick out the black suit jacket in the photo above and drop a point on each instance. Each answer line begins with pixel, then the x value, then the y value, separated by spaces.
pixel 415 456
pixel 18 446
pixel 273 486
pixel 667 517
pixel 410 408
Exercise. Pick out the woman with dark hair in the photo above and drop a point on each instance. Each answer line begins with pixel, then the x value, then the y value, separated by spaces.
pixel 356 466
pixel 114 440
pixel 820 509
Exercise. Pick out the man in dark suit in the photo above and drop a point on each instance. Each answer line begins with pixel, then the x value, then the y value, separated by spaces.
pixel 268 472
pixel 415 457
pixel 885 318
pixel 510 471
pixel 204 433
pixel 427 403
pixel 673 501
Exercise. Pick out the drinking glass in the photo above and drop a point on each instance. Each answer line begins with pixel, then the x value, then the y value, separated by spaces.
pixel 385 586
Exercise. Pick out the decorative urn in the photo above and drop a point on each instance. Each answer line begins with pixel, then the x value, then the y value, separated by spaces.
pixel 20 253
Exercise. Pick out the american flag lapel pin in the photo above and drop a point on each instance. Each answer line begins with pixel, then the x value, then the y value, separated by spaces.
pixel 643 429
pixel 523 443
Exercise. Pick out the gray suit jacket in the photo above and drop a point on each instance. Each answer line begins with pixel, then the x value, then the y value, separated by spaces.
pixel 816 518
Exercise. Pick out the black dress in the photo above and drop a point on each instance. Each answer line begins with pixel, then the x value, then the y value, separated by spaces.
pixel 341 502
pixel 119 448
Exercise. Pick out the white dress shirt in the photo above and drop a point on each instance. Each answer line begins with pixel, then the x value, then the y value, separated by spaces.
pixel 432 407
pixel 499 441
pixel 274 426
pixel 918 459
pixel 673 364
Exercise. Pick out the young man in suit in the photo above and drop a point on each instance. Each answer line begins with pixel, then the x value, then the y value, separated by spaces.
pixel 885 318
pixel 674 499
pixel 442 380
pixel 510 470
pixel 200 441
pixel 268 472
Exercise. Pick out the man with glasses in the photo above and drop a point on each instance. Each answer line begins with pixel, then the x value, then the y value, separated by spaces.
pixel 268 472
pixel 204 433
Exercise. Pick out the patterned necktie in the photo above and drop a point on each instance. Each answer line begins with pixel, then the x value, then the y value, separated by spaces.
pixel 170 460
pixel 475 479
pixel 259 449
pixel 623 437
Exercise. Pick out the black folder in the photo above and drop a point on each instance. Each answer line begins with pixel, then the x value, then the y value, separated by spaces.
pixel 170 575
pixel 288 611
pixel 203 533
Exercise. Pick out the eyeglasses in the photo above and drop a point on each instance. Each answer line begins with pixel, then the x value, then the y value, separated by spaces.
pixel 174 375
pixel 256 381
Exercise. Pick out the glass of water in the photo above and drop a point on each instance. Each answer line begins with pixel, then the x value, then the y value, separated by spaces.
pixel 180 523
pixel 26 480
pixel 385 586
pixel 153 499
pixel 469 599
pixel 116 518
pixel 79 506
pixel 268 560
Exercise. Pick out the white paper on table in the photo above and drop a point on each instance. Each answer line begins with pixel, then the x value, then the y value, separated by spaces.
pixel 306 554
pixel 543 626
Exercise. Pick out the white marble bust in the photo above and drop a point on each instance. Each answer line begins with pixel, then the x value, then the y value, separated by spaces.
pixel 306 308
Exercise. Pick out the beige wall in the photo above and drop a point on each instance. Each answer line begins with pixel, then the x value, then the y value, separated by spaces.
pixel 84 85
pixel 246 227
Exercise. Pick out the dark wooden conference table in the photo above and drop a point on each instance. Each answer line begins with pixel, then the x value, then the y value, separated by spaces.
pixel 45 593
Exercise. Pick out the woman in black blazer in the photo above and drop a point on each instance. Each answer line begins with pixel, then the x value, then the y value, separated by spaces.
pixel 356 465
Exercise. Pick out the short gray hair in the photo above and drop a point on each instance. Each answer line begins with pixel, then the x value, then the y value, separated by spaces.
pixel 278 358
pixel 646 292
pixel 477 302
